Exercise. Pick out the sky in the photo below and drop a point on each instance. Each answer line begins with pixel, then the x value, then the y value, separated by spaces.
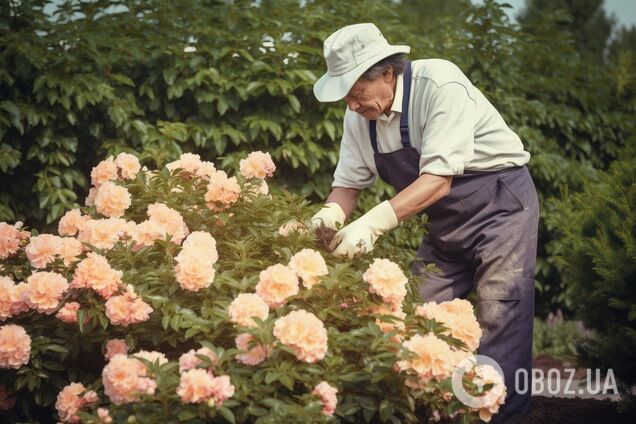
pixel 624 10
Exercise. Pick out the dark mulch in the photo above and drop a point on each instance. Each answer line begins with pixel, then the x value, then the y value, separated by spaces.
pixel 547 410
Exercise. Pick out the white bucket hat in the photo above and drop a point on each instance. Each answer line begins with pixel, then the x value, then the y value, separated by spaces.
pixel 349 52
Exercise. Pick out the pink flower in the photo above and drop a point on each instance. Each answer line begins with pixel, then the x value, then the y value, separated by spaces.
pixel 90 199
pixel 205 170
pixel 151 356
pixel 304 333
pixel 103 233
pixel 6 402
pixel 125 380
pixel 15 346
pixel 128 165
pixel 485 374
pixel 170 220
pixel 194 270
pixel 201 241
pixel 10 237
pixel 68 312
pixel 188 163
pixel 45 290
pixel 69 401
pixel 10 298
pixel 251 356
pixel 222 389
pixel 147 232
pixel 309 265
pixel 246 306
pixel 292 226
pixel 222 191
pixel 127 309
pixel 276 284
pixel 70 249
pixel 327 395
pixel 458 316
pixel 195 385
pixel 104 416
pixel 42 249
pixel 71 222
pixel 386 279
pixel 431 358
pixel 259 189
pixel 190 360
pixel 94 272
pixel 112 200
pixel 106 170
pixel 257 165
pixel 115 347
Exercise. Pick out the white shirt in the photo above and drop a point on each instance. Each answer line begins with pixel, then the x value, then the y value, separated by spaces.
pixel 451 124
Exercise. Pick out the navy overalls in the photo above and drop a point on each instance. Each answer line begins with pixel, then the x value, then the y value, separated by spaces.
pixel 482 235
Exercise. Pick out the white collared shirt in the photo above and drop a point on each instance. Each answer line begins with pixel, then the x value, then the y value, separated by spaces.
pixel 451 124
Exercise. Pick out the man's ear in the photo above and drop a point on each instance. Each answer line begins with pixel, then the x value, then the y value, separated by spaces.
pixel 388 74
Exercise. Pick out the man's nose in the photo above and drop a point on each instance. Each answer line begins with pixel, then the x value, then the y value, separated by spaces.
pixel 352 105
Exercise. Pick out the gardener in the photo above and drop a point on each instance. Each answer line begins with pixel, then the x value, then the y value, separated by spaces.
pixel 423 128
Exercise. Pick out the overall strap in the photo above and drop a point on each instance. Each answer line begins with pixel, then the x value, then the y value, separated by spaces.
pixel 404 116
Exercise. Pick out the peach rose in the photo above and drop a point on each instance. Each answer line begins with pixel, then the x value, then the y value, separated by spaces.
pixel 309 265
pixel 69 401
pixel 188 163
pixel 106 170
pixel 327 395
pixel 104 416
pixel 458 316
pixel 205 170
pixel 292 226
pixel 252 355
pixel 431 358
pixel 90 199
pixel 45 290
pixel 94 272
pixel 276 284
pixel 115 347
pixel 68 312
pixel 8 298
pixel 112 200
pixel 151 356
pixel 245 307
pixel 304 333
pixel 194 270
pixel 10 238
pixel 190 360
pixel 170 219
pixel 195 385
pixel 103 233
pixel 496 396
pixel 70 250
pixel 222 390
pixel 71 222
pixel 202 241
pixel 43 249
pixel 128 165
pixel 222 191
pixel 387 280
pixel 258 189
pixel 127 309
pixel 257 165
pixel 15 346
pixel 125 380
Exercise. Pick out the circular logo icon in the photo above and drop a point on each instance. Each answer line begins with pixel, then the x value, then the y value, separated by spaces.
pixel 482 370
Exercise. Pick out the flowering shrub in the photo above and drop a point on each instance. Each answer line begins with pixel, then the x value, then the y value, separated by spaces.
pixel 185 294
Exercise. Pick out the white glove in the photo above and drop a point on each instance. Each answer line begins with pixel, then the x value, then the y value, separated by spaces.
pixel 331 215
pixel 361 234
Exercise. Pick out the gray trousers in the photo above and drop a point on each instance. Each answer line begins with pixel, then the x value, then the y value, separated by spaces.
pixel 483 236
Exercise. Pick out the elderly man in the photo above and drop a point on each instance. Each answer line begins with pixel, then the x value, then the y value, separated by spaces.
pixel 423 128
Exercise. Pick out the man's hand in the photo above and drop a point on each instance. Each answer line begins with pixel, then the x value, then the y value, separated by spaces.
pixel 331 215
pixel 361 234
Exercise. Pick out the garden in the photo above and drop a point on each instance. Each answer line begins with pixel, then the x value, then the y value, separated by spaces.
pixel 160 163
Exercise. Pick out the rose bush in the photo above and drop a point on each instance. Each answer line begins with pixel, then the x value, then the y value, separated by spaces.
pixel 188 295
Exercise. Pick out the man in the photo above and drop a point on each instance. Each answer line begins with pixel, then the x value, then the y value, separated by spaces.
pixel 426 130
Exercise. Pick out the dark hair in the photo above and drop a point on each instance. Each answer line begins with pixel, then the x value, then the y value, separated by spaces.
pixel 396 61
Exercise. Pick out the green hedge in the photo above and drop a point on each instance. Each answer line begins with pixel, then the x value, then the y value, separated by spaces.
pixel 85 83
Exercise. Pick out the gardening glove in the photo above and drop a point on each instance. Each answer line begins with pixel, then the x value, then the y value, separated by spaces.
pixel 361 234
pixel 331 215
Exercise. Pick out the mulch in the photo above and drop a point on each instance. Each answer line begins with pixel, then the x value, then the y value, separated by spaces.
pixel 553 410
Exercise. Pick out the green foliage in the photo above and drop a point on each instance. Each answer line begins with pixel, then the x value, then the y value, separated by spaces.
pixel 556 337
pixel 598 265
pixel 107 76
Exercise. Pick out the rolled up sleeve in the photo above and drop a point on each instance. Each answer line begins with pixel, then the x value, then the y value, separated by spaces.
pixel 449 132
pixel 351 171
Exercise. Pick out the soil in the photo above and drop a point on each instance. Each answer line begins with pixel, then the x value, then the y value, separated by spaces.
pixel 549 410
pixel 324 235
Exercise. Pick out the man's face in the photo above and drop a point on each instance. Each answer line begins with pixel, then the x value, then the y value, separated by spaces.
pixel 370 98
